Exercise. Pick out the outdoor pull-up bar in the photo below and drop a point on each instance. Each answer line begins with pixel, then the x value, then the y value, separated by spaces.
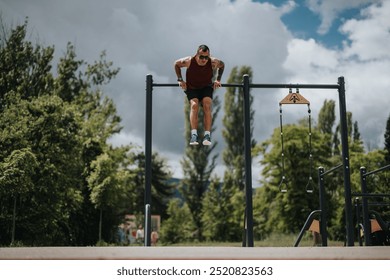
pixel 246 86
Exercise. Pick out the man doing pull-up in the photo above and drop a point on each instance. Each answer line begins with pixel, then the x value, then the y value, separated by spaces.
pixel 199 87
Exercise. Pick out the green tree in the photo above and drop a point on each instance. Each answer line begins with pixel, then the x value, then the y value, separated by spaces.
pixel 286 212
pixel 24 68
pixel 337 134
pixel 66 123
pixel 356 133
pixel 49 130
pixel 162 191
pixel 326 121
pixel 180 226
pixel 387 141
pixel 231 224
pixel 216 212
pixel 104 185
pixel 327 117
pixel 198 165
pixel 17 172
pixel 80 85
pixel 233 132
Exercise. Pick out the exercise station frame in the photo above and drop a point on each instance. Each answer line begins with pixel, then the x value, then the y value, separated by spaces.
pixel 246 86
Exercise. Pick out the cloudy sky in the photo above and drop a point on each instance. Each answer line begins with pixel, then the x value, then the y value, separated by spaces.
pixel 312 41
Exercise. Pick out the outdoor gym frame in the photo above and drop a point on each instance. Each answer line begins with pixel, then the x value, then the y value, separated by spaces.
pixel 246 86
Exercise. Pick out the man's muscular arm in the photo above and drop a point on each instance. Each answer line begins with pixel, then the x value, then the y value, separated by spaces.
pixel 220 66
pixel 182 62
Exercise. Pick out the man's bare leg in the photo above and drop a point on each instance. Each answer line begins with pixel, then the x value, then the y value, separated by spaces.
pixel 194 109
pixel 207 105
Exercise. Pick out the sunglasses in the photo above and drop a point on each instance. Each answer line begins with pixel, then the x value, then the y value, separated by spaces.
pixel 203 57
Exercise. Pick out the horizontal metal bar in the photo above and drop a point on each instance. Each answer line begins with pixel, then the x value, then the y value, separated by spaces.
pixel 176 85
pixel 319 86
pixel 378 204
pixel 232 85
pixel 371 194
pixel 332 169
pixel 377 170
pixel 166 85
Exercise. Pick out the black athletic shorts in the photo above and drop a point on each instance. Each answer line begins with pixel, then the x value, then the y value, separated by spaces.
pixel 200 93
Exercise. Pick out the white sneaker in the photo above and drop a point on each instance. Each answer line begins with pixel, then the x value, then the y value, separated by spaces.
pixel 194 140
pixel 206 140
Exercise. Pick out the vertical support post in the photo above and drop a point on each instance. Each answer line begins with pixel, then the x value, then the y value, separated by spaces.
pixel 357 208
pixel 324 216
pixel 148 157
pixel 148 223
pixel 366 216
pixel 248 164
pixel 345 158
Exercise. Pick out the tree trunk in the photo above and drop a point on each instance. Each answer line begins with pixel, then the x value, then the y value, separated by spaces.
pixel 100 224
pixel 13 222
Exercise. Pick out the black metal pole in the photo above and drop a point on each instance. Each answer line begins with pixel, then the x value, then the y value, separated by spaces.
pixel 324 211
pixel 357 208
pixel 148 157
pixel 366 216
pixel 147 229
pixel 346 167
pixel 248 164
pixel 324 222
pixel 377 170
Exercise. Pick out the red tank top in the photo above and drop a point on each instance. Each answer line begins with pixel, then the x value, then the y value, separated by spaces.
pixel 199 76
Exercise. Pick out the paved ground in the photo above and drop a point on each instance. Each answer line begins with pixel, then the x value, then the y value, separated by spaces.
pixel 212 253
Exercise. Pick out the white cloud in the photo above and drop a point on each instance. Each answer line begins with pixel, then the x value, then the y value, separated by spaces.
pixel 143 37
pixel 370 36
pixel 364 62
pixel 311 60
pixel 329 10
pixel 124 138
